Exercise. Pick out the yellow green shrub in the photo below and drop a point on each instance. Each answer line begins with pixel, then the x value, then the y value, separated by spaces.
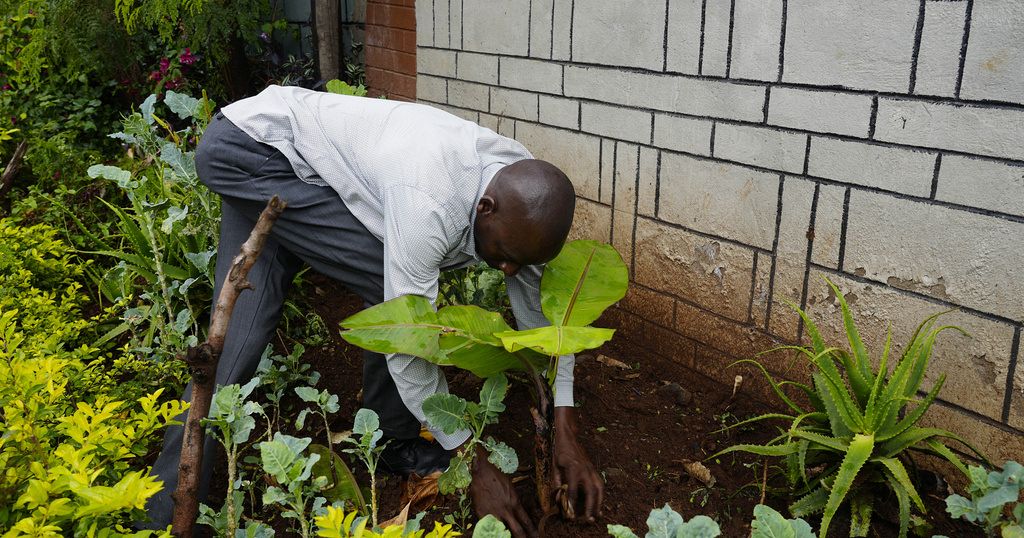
pixel 70 460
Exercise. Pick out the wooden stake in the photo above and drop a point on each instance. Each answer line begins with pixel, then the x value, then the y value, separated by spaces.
pixel 13 166
pixel 202 362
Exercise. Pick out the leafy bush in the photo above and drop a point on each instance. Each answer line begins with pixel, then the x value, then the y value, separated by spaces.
pixel 71 460
pixel 861 427
pixel 336 523
pixel 667 523
pixel 993 494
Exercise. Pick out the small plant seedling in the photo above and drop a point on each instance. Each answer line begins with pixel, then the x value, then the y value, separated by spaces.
pixel 366 435
pixel 451 413
pixel 284 461
pixel 993 494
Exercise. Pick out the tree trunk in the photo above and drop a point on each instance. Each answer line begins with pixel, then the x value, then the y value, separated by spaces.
pixel 328 38
pixel 202 362
pixel 13 166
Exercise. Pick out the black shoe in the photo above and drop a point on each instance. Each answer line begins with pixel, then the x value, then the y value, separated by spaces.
pixel 405 456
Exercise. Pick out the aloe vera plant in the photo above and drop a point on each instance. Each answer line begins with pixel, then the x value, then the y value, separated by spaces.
pixel 577 286
pixel 861 426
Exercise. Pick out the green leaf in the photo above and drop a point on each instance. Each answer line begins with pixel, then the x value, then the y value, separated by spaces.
pixel 552 340
pixel 858 368
pixel 366 422
pixel 280 455
pixel 860 515
pixel 958 506
pixel 490 527
pixel 581 282
pixel 698 527
pixel 620 531
pixel 446 412
pixel 663 522
pixel 768 523
pixel 341 484
pixel 810 504
pixel 456 477
pixel 184 106
pixel 406 324
pixel 308 394
pixel 147 108
pixel 899 473
pixel 492 394
pixel 502 456
pixel 860 450
pixel 119 175
pixel 1013 531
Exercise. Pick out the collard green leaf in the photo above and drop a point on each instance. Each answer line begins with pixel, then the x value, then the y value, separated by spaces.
pixel 502 456
pixel 490 527
pixel 663 522
pixel 118 175
pixel 183 105
pixel 366 422
pixel 279 456
pixel 147 108
pixel 447 412
pixel 492 394
pixel 552 340
pixel 698 527
pixel 620 531
pixel 456 477
pixel 581 282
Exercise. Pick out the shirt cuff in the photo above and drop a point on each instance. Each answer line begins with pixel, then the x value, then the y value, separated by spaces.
pixel 453 441
pixel 563 393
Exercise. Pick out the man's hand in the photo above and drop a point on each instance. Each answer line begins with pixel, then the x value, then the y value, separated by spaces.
pixel 573 467
pixel 492 493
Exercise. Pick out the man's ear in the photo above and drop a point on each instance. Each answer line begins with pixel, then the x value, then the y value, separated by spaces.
pixel 486 205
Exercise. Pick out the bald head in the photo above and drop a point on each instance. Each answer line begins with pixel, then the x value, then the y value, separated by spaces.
pixel 527 210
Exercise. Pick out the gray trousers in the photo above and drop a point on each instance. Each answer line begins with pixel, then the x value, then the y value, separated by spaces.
pixel 316 229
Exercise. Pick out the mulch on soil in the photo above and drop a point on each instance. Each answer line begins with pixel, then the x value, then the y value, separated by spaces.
pixel 639 429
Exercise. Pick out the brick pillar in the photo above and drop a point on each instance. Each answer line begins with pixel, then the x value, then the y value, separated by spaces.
pixel 391 48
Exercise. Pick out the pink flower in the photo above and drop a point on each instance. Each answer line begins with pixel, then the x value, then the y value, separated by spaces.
pixel 187 58
pixel 165 64
pixel 156 75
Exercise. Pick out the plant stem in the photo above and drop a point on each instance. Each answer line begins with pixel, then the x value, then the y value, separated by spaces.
pixel 232 464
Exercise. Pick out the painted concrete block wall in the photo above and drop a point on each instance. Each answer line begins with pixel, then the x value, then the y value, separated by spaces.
pixel 739 152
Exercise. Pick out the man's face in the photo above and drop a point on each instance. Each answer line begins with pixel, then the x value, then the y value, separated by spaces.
pixel 506 242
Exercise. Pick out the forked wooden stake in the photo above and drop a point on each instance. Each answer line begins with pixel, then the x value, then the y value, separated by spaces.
pixel 202 363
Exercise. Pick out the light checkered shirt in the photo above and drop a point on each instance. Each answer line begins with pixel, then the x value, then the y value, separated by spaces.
pixel 412 174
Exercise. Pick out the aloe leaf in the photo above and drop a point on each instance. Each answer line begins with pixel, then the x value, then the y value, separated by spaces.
pixel 904 503
pixel 810 504
pixel 922 360
pixel 761 450
pixel 766 416
pixel 939 448
pixel 581 282
pixel 899 473
pixel 774 384
pixel 911 418
pixel 860 515
pixel 823 440
pixel 858 453
pixel 836 405
pixel 812 330
pixel 861 370
pixel 871 414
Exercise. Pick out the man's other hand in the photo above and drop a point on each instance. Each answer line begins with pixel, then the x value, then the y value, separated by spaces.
pixel 573 467
pixel 492 493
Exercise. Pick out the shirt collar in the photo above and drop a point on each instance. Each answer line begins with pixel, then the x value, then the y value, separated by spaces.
pixel 488 174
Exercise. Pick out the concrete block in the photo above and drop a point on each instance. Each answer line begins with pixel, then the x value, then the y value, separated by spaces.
pixel 718 198
pixel 577 154
pixel 790 256
pixel 891 168
pixel 1016 418
pixel 455 41
pixel 761 146
pixel 996 132
pixel 713 274
pixel 820 111
pixel 478 67
pixel 435 62
pixel 541 12
pixel 466 114
pixel 648 184
pixel 507 127
pixel 626 166
pixel 975 366
pixel 650 305
pixel 757 25
pixel 425 23
pixel 998 444
pixel 717 18
pixel 994 66
pixel 691 135
pixel 697 97
pixel 489 121
pixel 762 285
pixel 982 183
pixel 622 234
pixel 591 220
pixel 828 225
pixel 514 104
pixel 480 33
pixel 733 338
pixel 561 30
pixel 560 112
pixel 607 178
pixel 468 95
pixel 442 23
pixel 684 20
pixel 534 75
pixel 964 258
pixel 938 61
pixel 612 32
pixel 860 44
pixel 616 122
pixel 431 89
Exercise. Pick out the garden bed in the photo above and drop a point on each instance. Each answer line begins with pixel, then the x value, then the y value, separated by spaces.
pixel 638 436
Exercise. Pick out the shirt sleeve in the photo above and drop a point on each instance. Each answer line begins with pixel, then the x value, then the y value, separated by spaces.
pixel 524 294
pixel 416 232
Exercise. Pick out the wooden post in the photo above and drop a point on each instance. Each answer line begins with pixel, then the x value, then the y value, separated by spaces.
pixel 202 362
pixel 328 37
